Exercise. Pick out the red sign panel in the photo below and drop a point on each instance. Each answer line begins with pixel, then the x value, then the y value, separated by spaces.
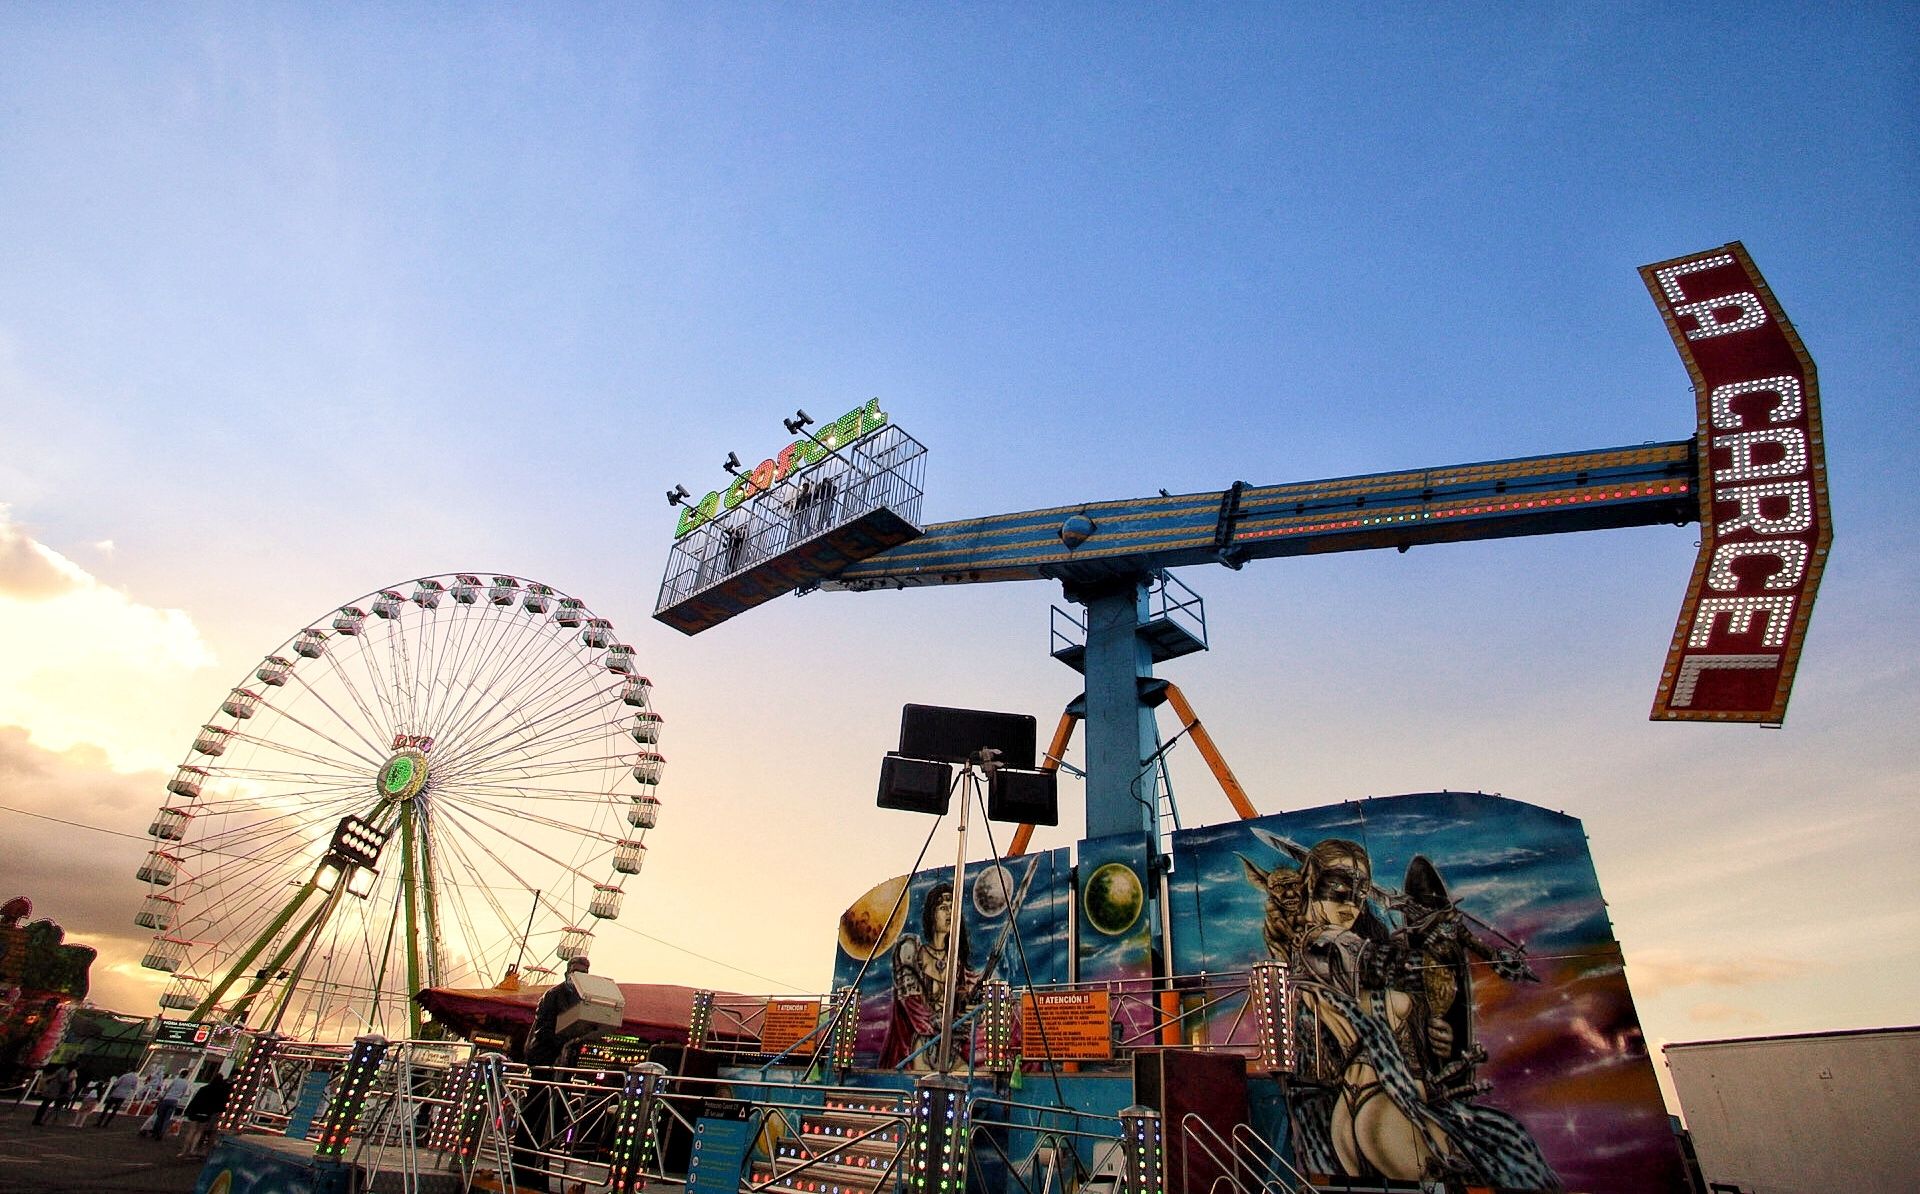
pixel 1763 492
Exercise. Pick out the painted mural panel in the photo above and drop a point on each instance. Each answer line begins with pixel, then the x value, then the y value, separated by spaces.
pixel 898 941
pixel 1460 1008
pixel 1116 929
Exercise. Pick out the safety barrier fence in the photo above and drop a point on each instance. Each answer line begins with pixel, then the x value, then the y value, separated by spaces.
pixel 815 1120
pixel 1230 1012
pixel 766 517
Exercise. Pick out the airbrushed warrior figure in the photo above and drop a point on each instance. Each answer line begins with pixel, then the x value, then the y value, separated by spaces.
pixel 1383 1017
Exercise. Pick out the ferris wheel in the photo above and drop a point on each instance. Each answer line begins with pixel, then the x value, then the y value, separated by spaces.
pixel 438 784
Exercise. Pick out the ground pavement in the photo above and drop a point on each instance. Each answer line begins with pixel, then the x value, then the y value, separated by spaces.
pixel 57 1159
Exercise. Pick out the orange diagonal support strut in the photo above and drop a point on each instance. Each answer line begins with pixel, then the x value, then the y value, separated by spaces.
pixel 1062 734
pixel 1211 753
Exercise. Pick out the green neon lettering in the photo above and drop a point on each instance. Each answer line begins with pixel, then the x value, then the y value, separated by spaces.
pixel 692 517
pixel 787 461
pixel 797 456
pixel 740 490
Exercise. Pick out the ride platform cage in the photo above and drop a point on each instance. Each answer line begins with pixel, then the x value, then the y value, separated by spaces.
pixel 859 500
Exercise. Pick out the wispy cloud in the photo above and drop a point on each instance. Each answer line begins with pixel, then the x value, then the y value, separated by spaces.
pixel 81 661
pixel 1657 970
pixel 1725 1013
pixel 30 571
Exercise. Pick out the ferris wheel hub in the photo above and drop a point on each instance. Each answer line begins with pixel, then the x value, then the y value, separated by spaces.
pixel 404 774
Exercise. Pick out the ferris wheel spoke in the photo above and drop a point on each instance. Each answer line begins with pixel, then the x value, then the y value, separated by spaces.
pixel 382 720
pixel 534 818
pixel 525 792
pixel 357 728
pixel 373 761
pixel 482 737
pixel 561 741
pixel 504 701
pixel 549 663
pixel 543 897
pixel 383 694
pixel 573 707
pixel 227 840
pixel 400 672
pixel 576 743
pixel 281 775
pixel 231 810
pixel 473 637
pixel 245 841
pixel 506 774
pixel 490 671
pixel 245 868
pixel 475 670
pixel 475 944
pixel 441 633
pixel 286 748
pixel 466 822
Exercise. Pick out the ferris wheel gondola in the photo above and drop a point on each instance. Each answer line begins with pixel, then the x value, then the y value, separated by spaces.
pixel 436 784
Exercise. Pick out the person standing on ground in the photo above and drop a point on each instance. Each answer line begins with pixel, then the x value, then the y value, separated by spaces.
pixel 124 1087
pixel 87 1104
pixel 202 1110
pixel 172 1093
pixel 57 1093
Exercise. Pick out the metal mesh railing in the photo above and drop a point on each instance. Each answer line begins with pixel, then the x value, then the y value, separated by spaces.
pixel 886 470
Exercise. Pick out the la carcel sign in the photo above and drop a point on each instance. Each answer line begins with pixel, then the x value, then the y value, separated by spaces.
pixel 1763 492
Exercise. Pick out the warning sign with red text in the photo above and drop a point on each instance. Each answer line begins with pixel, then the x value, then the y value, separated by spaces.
pixel 788 1022
pixel 1066 1025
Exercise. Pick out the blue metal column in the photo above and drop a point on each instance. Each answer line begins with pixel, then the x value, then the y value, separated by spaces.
pixel 1120 728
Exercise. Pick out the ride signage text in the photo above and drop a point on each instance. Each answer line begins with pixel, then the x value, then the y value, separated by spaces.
pixel 797 456
pixel 1763 492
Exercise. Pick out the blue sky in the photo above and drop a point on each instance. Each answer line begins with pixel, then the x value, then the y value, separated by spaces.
pixel 302 301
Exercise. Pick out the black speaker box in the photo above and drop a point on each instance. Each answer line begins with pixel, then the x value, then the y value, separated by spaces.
pixel 916 785
pixel 954 735
pixel 1024 797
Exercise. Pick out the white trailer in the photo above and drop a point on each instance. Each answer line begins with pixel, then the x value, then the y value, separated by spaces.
pixel 1814 1113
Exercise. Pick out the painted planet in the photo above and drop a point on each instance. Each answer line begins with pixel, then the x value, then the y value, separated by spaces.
pixel 866 929
pixel 991 888
pixel 1113 898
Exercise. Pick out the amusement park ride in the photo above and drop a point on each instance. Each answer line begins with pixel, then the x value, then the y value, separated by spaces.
pixel 378 807
pixel 836 511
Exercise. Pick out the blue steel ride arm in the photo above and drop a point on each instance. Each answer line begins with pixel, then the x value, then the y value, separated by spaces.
pixel 1645 485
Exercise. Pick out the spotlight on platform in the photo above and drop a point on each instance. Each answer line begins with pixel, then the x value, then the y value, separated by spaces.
pixel 999 746
pixel 961 735
pixel 1023 797
pixel 354 854
pixel 915 785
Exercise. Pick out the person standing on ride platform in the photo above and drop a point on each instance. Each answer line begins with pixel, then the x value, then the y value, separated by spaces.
pixel 546 1050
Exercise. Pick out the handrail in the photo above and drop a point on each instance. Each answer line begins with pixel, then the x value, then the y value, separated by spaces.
pixel 1262 1150
pixel 1242 1156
